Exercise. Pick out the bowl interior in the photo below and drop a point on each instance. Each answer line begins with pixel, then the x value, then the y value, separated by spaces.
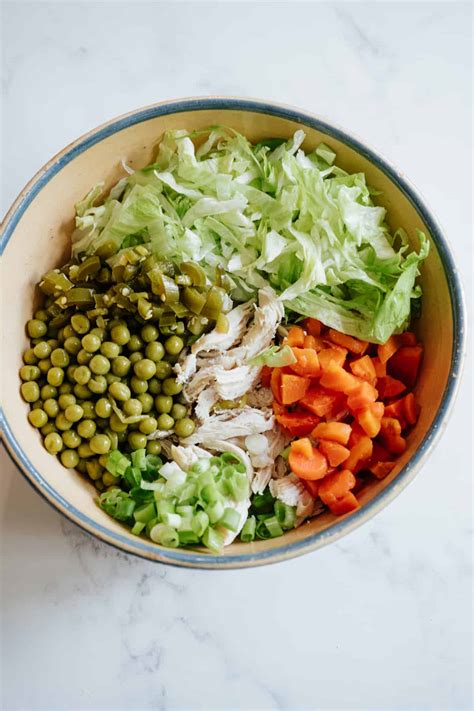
pixel 41 240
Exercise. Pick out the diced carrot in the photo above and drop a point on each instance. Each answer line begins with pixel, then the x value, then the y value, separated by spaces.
pixel 359 452
pixel 293 388
pixel 302 446
pixel 351 344
pixel 335 431
pixel 335 486
pixel 396 410
pixel 275 383
pixel 364 368
pixel 387 349
pixel 381 469
pixel 356 435
pixel 379 367
pixel 336 378
pixel 390 426
pixel 408 339
pixel 298 424
pixel 314 467
pixel 307 362
pixel 389 387
pixel 370 418
pixel 312 487
pixel 319 401
pixel 391 435
pixel 265 376
pixel 310 342
pixel 404 365
pixel 296 336
pixel 361 396
pixel 312 326
pixel 395 443
pixel 332 355
pixel 335 452
pixel 345 505
pixel 410 408
pixel 379 453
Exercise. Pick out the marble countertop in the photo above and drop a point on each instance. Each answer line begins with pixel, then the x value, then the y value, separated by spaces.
pixel 380 620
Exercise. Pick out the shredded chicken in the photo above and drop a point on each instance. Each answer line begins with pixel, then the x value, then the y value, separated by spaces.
pixel 232 384
pixel 260 397
pixel 293 492
pixel 264 463
pixel 233 423
pixel 267 317
pixel 185 457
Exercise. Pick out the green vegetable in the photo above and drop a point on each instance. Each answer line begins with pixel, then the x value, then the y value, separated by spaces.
pixel 274 357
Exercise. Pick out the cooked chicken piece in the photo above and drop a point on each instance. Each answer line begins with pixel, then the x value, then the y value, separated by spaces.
pixel 262 476
pixel 281 468
pixel 185 457
pixel 185 369
pixel 293 492
pixel 233 423
pixel 206 400
pixel 267 317
pixel 232 384
pixel 205 377
pixel 260 397
pixel 264 462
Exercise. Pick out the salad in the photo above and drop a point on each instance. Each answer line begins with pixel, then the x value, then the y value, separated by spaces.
pixel 226 353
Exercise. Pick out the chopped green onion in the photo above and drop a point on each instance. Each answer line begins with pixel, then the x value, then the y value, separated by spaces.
pixel 138 527
pixel 213 540
pixel 200 522
pixel 273 527
pixel 165 506
pixel 210 493
pixel 188 537
pixel 152 485
pixel 228 470
pixel 248 531
pixel 263 503
pixel 139 458
pixel 201 466
pixel 262 531
pixel 117 463
pixel 240 468
pixel 229 458
pixel 238 487
pixel 145 513
pixel 230 519
pixel 172 519
pixel 165 536
pixel 285 515
pixel 185 510
pixel 215 511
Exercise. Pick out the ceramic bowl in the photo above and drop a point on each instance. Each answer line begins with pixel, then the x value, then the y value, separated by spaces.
pixel 36 238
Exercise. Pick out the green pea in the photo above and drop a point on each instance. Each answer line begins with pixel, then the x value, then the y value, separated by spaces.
pixel 163 403
pixel 51 407
pixel 53 442
pixel 111 378
pixel 81 391
pixel 55 376
pixel 148 425
pixel 38 405
pixel 84 450
pixel 132 407
pixel 135 343
pixel 73 413
pixel 62 423
pixel 144 369
pixel 48 428
pixel 146 401
pixel 82 375
pixel 100 444
pixel 81 467
pixel 116 424
pixel 154 386
pixel 30 391
pixel 153 446
pixel 120 335
pixel 178 411
pixel 89 409
pixel 41 315
pixel 42 350
pixel 136 440
pixel 91 343
pixel 155 351
pixel 80 323
pixel 69 458
pixel 71 439
pixel 174 345
pixel 138 385
pixel 99 485
pixel 60 358
pixel 184 427
pixel 165 422
pixel 36 328
pixel 68 332
pixel 29 372
pixel 171 387
pixel 163 370
pixel 120 366
pixel 97 384
pixel 110 349
pixel 135 357
pixel 38 418
pixel 44 365
pixel 103 407
pixel 99 332
pixel 70 370
pixel 99 365
pixel 29 356
pixel 65 400
pixel 109 480
pixel 120 391
pixel 149 333
pixel 65 389
pixel 86 428
pixel 53 343
pixel 94 469
pixel 72 345
pixel 121 438
pixel 84 357
pixel 101 422
pixel 49 391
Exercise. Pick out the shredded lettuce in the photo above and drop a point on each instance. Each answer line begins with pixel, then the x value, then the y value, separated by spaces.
pixel 274 357
pixel 265 214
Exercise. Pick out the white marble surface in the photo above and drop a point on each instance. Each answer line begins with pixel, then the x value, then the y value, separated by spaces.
pixel 382 620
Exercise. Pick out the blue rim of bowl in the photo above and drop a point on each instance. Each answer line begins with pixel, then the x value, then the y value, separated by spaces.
pixel 346 525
